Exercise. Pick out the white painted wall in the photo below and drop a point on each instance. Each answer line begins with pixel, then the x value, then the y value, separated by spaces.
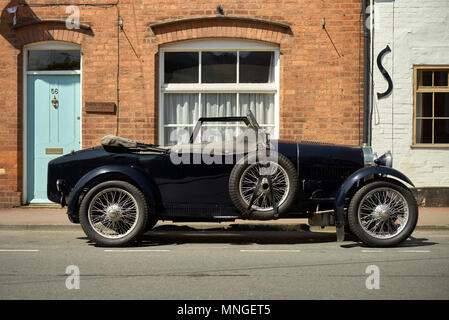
pixel 417 32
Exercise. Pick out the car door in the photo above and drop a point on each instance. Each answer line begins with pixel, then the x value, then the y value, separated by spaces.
pixel 192 180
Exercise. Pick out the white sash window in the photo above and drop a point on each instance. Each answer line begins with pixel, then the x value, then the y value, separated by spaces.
pixel 218 78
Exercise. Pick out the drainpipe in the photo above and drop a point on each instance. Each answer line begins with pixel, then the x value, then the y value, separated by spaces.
pixel 366 77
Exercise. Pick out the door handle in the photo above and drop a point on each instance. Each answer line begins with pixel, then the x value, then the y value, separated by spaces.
pixel 54 102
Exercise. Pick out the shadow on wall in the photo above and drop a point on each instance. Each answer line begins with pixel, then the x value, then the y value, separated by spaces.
pixel 23 15
pixel 19 25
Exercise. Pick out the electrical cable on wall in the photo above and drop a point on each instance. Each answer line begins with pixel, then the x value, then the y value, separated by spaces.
pixel 119 26
pixel 381 95
pixel 360 73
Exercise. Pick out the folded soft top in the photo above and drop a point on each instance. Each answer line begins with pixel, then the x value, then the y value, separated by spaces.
pixel 114 141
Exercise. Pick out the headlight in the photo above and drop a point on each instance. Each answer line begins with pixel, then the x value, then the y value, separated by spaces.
pixel 385 160
pixel 368 156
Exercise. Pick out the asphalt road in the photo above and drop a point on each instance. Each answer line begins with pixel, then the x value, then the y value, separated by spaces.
pixel 217 264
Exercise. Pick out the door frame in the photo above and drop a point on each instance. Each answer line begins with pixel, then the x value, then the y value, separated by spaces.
pixel 44 45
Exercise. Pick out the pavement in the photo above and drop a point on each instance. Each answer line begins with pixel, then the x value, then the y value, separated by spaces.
pixel 52 218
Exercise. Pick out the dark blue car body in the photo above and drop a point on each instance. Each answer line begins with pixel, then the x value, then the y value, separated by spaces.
pixel 195 192
pixel 120 189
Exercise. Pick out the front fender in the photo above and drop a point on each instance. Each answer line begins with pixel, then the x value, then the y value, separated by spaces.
pixel 357 176
pixel 129 171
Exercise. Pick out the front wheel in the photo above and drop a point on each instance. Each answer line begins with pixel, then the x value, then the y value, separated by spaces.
pixel 383 214
pixel 114 213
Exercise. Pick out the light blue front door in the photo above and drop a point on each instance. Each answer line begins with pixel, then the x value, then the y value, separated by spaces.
pixel 53 126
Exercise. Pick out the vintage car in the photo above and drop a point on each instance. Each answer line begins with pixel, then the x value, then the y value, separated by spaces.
pixel 119 190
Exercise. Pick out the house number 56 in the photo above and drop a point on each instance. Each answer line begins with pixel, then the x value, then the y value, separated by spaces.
pixel 54 91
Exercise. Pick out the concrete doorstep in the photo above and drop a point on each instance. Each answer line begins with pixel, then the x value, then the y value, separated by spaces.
pixel 55 219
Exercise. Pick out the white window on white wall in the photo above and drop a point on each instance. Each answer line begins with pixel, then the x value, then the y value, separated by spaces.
pixel 217 78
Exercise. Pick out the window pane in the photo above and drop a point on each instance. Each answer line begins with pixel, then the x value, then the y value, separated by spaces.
pixel 424 131
pixel 441 104
pixel 223 131
pixel 256 66
pixel 218 104
pixel 424 105
pixel 181 108
pixel 442 131
pixel 424 78
pixel 440 78
pixel 181 67
pixel 219 67
pixel 39 60
pixel 261 104
pixel 175 135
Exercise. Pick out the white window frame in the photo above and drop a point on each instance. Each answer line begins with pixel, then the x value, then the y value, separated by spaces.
pixel 218 45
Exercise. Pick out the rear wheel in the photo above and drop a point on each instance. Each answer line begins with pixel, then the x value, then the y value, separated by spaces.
pixel 383 214
pixel 114 213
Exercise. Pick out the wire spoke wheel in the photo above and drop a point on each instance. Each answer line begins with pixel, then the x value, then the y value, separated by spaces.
pixel 255 176
pixel 113 213
pixel 383 213
pixel 266 180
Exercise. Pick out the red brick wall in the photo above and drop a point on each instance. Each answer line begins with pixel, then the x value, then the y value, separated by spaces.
pixel 319 87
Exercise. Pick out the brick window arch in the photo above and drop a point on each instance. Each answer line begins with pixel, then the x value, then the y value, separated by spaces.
pixel 220 27
pixel 50 30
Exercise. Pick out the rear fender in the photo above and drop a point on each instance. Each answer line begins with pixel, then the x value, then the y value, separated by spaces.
pixel 132 173
pixel 352 180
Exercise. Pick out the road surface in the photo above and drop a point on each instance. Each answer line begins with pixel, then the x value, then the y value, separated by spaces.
pixel 219 264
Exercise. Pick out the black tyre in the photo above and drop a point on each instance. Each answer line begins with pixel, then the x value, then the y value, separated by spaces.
pixel 244 179
pixel 383 214
pixel 114 214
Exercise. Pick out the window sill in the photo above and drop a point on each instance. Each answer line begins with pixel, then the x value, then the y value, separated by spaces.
pixel 430 146
pixel 220 87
